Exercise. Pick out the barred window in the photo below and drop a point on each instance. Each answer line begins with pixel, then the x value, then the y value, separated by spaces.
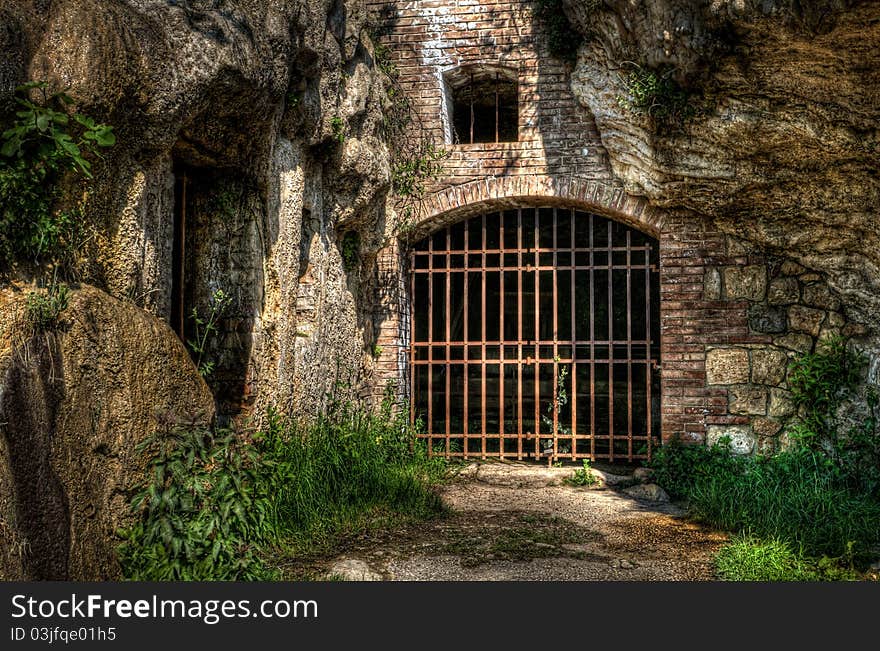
pixel 483 104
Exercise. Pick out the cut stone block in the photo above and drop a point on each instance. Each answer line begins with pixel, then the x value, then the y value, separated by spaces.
pixel 783 291
pixel 742 441
pixel 727 366
pixel 781 405
pixel 747 399
pixel 769 366
pixel 805 319
pixel 745 282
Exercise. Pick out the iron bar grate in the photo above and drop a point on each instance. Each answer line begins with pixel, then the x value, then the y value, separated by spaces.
pixel 536 334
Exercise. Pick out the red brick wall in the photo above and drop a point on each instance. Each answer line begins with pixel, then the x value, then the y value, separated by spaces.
pixel 428 38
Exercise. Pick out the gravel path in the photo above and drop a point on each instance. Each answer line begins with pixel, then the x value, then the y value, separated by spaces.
pixel 520 522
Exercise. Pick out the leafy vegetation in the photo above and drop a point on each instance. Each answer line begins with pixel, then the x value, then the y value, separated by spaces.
pixel 410 175
pixel 337 126
pixel 819 383
pixel 44 308
pixel 220 505
pixel 582 476
pixel 204 512
pixel 557 404
pixel 206 327
pixel 655 93
pixel 43 144
pixel 812 509
pixel 680 468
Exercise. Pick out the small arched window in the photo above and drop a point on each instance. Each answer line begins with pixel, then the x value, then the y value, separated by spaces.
pixel 483 105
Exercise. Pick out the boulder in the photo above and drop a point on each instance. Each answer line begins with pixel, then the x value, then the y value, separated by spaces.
pixel 647 492
pixel 74 404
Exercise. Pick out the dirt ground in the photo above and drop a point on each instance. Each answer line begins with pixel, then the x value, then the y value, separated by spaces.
pixel 519 522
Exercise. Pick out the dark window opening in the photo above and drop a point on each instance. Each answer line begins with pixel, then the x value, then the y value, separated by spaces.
pixel 485 108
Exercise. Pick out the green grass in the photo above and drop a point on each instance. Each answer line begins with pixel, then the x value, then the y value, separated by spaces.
pixel 343 465
pixel 793 496
pixel 795 511
pixel 224 505
pixel 747 558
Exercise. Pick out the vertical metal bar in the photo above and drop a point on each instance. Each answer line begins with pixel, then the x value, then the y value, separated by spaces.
pixel 465 351
pixel 629 379
pixel 412 335
pixel 592 344
pixel 501 335
pixel 483 340
pixel 573 345
pixel 519 333
pixel 555 338
pixel 430 424
pixel 448 309
pixel 610 345
pixel 537 334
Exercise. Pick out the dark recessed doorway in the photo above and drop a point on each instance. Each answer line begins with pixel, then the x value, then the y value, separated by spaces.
pixel 535 334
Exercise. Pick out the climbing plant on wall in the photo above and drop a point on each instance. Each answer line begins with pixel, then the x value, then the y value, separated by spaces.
pixel 416 159
pixel 43 145
pixel 657 94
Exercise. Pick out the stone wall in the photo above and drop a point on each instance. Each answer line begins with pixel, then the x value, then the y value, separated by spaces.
pixel 282 104
pixel 790 310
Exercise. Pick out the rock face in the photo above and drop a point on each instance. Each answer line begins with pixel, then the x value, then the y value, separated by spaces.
pixel 74 405
pixel 783 147
pixel 255 124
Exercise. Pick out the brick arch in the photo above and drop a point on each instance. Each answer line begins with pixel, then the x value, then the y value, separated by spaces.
pixel 457 202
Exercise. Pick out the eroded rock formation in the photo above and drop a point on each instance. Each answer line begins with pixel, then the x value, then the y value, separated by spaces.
pixel 258 123
pixel 272 112
pixel 783 149
pixel 75 403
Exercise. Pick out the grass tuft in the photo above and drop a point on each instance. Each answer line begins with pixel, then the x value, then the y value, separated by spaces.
pixel 747 558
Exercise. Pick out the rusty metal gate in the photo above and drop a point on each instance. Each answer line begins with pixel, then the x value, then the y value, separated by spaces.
pixel 535 334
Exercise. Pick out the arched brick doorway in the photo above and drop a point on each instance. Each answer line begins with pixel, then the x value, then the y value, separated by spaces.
pixel 535 333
